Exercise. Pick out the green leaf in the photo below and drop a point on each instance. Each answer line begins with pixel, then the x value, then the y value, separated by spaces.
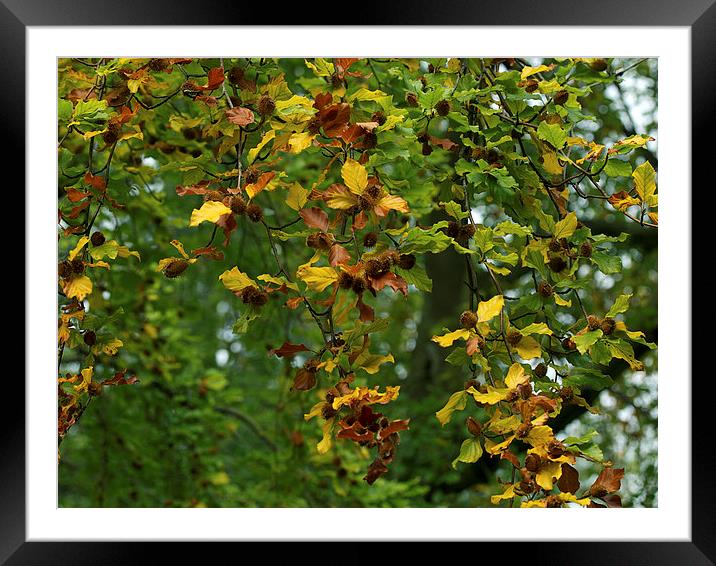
pixel 456 402
pixel 566 227
pixel 606 263
pixel 584 341
pixel 589 379
pixel 618 168
pixel 553 134
pixel 620 305
pixel 416 276
pixel 470 452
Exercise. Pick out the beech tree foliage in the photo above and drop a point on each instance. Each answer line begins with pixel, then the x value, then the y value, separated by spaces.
pixel 299 212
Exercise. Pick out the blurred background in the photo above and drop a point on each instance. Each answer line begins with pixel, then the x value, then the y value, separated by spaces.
pixel 212 421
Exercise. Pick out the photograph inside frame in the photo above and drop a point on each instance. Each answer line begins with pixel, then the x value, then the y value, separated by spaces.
pixel 350 282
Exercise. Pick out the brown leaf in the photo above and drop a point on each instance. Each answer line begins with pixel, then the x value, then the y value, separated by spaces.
pixel 293 303
pixel 609 481
pixel 119 379
pixel 288 350
pixel 375 470
pixel 314 217
pixel 75 195
pixel 337 255
pixel 95 181
pixel 510 457
pixel 304 380
pixel 240 116
pixel 211 252
pixel 393 426
pixel 367 314
pixel 390 279
pixel 216 77
pixel 569 481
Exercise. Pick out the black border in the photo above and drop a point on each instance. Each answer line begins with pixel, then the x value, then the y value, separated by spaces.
pixel 16 15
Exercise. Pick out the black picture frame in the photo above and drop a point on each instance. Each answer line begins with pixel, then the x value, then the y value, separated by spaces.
pixel 16 15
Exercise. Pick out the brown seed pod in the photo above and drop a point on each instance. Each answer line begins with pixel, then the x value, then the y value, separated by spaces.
pixel 453 229
pixel 561 97
pixel 236 75
pixel 585 250
pixel 78 266
pixel 390 257
pixel 468 319
pixel 94 389
pixel 89 338
pixel 467 231
pixel 365 202
pixel 555 449
pixel 157 65
pixel 568 344
pixel 378 117
pixel 372 191
pixel 176 268
pixel 557 264
pixel 266 105
pixel 370 140
pixel 254 212
pixel 345 280
pixel 540 370
pixel 238 205
pixel 328 412
pixel 64 269
pixel 545 289
pixel 97 238
pixel 532 462
pixel 599 65
pixel 524 429
pixel 252 295
pixel 608 325
pixel 359 285
pixel 110 137
pixel 411 99
pixel 554 246
pixel 406 261
pixel 593 322
pixel 514 337
pixel 426 149
pixel 553 501
pixel 493 156
pixel 566 393
pixel 471 383
pixel 473 426
pixel 370 239
pixel 320 241
pixel 531 85
pixel 251 175
pixel 374 268
pixel 443 107
pixel 524 390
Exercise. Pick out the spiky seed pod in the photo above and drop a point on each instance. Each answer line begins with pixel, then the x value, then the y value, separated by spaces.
pixel 374 268
pixel 531 85
pixel 311 365
pixel 370 239
pixel 89 338
pixel 411 99
pixel 406 261
pixel 555 449
pixel 473 426
pixel 176 268
pixel 64 269
pixel 378 117
pixel 453 229
pixel 345 280
pixel 266 105
pixel 157 65
pixel 110 137
pixel 94 389
pixel 524 429
pixel 236 75
pixel 372 191
pixel 97 239
pixel 585 250
pixel 328 412
pixel 554 246
pixel 423 137
pixel 426 149
pixel 443 107
pixel 552 501
pixel 251 175
pixel 235 100
pixel 391 257
pixel 599 65
pixel 540 370
pixel 545 289
pixel 568 344
pixel 557 264
pixel 471 383
pixel 467 231
pixel 365 202
pixel 524 390
pixel 561 97
pixel 532 462
pixel 358 285
pixel 370 140
pixel 431 68
pixel 526 487
pixel 608 325
pixel 78 266
pixel 566 393
pixel 238 205
pixel 320 241
pixel 479 152
pixel 593 322
pixel 513 338
pixel 468 319
pixel 493 156
pixel 423 81
pixel 254 212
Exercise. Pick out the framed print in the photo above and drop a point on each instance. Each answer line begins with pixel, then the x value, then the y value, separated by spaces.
pixel 400 281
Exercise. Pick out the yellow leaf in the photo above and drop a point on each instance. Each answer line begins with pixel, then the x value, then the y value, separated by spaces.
pixel 392 202
pixel 326 442
pixel 372 362
pixel 370 396
pixel 551 163
pixel 210 211
pixel 354 176
pixel 280 281
pixel 539 436
pixel 516 376
pixel 528 348
pixel 315 411
pixel 220 478
pixel 301 141
pixel 495 448
pixel 547 473
pixel 644 180
pixel 566 227
pixel 297 196
pixel 493 396
pixel 529 71
pixel 509 493
pixel 86 379
pixel 235 280
pixel 78 248
pixel 317 278
pixel 487 310
pixel 253 153
pixel 446 340
pixel 112 347
pixel 78 286
pixel 562 302
pixel 456 402
pixel 340 198
pixel 180 247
